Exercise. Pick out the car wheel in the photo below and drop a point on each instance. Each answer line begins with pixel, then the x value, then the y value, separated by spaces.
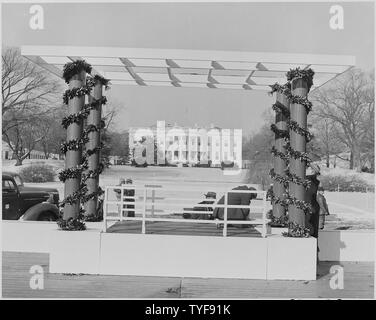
pixel 47 216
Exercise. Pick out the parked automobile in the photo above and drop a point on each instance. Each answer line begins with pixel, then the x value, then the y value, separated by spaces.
pixel 28 203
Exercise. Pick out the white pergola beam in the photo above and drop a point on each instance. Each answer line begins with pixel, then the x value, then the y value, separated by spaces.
pixel 142 53
pixel 195 68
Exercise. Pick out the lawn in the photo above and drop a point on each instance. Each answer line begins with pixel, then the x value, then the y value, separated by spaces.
pixel 351 210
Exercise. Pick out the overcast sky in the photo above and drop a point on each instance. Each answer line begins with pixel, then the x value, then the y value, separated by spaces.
pixel 276 27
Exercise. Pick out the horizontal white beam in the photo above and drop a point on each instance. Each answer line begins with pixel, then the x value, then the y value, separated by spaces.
pixel 190 68
pixel 229 56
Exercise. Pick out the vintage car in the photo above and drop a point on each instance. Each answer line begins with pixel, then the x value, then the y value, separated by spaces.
pixel 21 202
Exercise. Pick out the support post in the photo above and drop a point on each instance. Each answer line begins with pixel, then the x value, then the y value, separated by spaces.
pixel 73 158
pixel 94 118
pixel 280 164
pixel 298 114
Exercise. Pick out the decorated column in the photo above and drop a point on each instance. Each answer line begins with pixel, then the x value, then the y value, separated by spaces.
pixel 291 159
pixel 74 190
pixel 280 161
pixel 93 146
pixel 301 82
pixel 75 75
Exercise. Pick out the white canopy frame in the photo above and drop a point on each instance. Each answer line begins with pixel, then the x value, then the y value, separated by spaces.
pixel 190 68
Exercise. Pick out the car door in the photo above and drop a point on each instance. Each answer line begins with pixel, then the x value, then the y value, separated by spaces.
pixel 10 200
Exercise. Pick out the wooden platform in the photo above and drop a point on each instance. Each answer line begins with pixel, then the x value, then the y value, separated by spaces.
pixel 358 283
pixel 187 228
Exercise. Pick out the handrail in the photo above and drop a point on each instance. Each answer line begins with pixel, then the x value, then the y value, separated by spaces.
pixel 155 206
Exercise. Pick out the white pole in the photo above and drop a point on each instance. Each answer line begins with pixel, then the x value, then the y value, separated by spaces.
pixel 225 215
pixel 264 214
pixel 152 201
pixel 105 209
pixel 121 201
pixel 144 212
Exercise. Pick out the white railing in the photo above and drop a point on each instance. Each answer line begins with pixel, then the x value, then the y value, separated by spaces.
pixel 172 206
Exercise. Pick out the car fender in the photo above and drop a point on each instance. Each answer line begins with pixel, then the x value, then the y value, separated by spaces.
pixel 33 213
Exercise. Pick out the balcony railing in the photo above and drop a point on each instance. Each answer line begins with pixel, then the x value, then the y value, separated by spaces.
pixel 157 203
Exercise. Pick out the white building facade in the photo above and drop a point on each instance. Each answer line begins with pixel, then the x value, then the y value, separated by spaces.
pixel 172 144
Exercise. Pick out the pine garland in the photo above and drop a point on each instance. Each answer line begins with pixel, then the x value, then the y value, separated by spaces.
pixel 75 92
pixel 93 195
pixel 73 145
pixel 103 81
pixel 284 89
pixel 280 108
pixel 72 173
pixel 279 178
pixel 71 224
pixel 72 68
pixel 302 156
pixel 302 101
pixel 298 180
pixel 84 113
pixel 305 74
pixel 88 152
pixel 75 197
pixel 296 231
pixel 77 117
pixel 294 126
pixel 279 154
pixel 91 174
pixel 278 132
pixel 300 204
pixel 281 221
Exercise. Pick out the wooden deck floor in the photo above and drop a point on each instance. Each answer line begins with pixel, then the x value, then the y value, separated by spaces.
pixel 186 228
pixel 358 283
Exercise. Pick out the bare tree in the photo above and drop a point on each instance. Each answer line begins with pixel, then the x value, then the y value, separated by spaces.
pixel 23 137
pixel 345 103
pixel 28 94
pixel 368 127
pixel 53 132
pixel 325 142
pixel 258 152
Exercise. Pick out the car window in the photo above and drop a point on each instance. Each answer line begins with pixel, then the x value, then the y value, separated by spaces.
pixel 18 180
pixel 8 185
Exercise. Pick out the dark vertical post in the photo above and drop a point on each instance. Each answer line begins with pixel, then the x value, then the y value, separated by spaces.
pixel 280 166
pixel 298 113
pixel 73 158
pixel 94 119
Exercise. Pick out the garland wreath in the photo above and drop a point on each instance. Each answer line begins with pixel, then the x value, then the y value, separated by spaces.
pixel 305 74
pixel 302 156
pixel 295 230
pixel 279 222
pixel 280 108
pixel 294 126
pixel 287 200
pixel 81 171
pixel 73 68
pixel 279 133
pixel 279 178
pixel 282 155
